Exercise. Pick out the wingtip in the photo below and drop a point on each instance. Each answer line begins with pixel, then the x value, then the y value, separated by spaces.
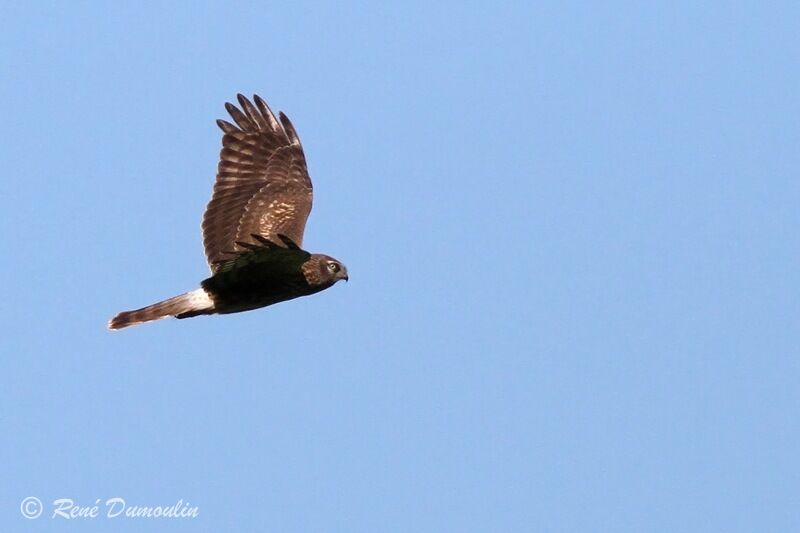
pixel 288 127
pixel 266 112
pixel 226 126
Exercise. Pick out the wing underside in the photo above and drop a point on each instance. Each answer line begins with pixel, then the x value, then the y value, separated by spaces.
pixel 262 185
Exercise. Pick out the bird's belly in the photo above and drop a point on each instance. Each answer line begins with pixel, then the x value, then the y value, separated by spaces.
pixel 233 294
pixel 247 302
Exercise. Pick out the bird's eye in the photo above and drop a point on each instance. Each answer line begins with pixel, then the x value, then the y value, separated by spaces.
pixel 333 267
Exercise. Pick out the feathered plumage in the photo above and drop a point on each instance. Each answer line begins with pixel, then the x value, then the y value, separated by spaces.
pixel 253 226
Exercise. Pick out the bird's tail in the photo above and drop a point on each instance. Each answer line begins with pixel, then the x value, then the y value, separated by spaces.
pixel 193 303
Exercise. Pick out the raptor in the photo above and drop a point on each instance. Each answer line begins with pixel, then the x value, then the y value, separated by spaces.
pixel 253 226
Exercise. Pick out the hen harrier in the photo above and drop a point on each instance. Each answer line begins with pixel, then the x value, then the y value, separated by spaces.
pixel 253 225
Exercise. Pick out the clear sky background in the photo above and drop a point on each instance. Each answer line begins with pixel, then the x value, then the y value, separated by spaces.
pixel 572 237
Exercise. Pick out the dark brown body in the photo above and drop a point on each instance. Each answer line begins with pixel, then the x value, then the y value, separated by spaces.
pixel 261 278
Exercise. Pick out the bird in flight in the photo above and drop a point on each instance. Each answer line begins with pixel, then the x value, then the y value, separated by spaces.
pixel 253 225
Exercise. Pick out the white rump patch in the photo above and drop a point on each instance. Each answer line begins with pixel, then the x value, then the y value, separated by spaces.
pixel 199 299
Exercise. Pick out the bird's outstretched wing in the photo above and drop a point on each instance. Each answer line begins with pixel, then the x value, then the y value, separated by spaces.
pixel 262 186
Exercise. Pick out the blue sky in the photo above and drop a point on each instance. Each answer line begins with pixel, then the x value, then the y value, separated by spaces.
pixel 572 237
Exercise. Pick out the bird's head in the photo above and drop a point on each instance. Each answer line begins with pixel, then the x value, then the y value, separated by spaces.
pixel 323 269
